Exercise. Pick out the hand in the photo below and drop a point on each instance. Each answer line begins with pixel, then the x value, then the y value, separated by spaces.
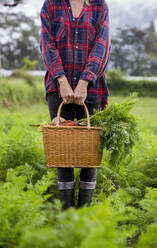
pixel 80 92
pixel 66 91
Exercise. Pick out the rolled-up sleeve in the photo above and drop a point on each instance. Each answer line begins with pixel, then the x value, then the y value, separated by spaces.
pixel 98 57
pixel 48 48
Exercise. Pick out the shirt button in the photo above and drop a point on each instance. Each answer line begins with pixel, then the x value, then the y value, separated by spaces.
pixel 76 46
pixel 73 19
pixel 76 32
pixel 75 78
pixel 69 7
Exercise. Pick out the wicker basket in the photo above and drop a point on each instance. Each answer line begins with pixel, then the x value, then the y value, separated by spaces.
pixel 72 146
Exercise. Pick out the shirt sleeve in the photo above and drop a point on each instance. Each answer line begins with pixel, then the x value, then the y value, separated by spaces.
pixel 98 57
pixel 48 48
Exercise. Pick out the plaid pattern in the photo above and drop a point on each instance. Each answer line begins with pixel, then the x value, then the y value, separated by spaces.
pixel 76 47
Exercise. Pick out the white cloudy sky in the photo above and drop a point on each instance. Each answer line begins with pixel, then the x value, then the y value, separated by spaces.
pixel 132 12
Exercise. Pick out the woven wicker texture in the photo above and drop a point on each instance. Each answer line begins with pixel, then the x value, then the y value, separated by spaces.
pixel 68 146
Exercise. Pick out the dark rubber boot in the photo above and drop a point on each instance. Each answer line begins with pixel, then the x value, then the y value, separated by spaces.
pixel 67 198
pixel 85 197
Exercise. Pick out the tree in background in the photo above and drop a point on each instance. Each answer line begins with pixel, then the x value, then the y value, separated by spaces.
pixel 21 40
pixel 13 4
pixel 134 51
pixel 151 46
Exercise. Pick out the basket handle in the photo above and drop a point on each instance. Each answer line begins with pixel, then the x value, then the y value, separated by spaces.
pixel 85 109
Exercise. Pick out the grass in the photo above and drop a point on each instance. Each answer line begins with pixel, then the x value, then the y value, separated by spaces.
pixel 27 103
pixel 144 110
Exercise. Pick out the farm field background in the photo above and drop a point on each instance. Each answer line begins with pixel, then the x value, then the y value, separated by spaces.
pixel 123 211
pixel 144 110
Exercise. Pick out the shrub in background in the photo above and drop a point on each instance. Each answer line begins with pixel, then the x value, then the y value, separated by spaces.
pixel 16 91
pixel 120 85
pixel 28 64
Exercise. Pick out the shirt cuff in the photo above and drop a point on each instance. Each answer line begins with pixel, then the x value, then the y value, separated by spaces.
pixel 58 73
pixel 90 76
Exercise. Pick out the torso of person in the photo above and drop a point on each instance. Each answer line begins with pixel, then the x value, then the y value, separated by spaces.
pixel 76 6
pixel 73 40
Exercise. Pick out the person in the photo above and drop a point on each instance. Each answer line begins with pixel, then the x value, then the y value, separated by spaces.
pixel 75 47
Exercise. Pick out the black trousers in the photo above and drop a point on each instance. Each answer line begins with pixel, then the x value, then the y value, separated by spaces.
pixel 69 112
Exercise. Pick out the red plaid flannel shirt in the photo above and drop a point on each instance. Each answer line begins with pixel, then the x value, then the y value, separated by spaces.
pixel 78 48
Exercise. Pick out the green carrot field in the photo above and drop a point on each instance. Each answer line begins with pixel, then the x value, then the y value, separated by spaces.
pixel 123 212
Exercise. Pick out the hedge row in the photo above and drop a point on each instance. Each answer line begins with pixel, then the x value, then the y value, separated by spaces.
pixel 120 85
pixel 21 91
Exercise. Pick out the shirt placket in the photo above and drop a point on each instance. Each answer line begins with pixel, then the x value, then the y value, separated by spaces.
pixel 75 45
pixel 75 48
